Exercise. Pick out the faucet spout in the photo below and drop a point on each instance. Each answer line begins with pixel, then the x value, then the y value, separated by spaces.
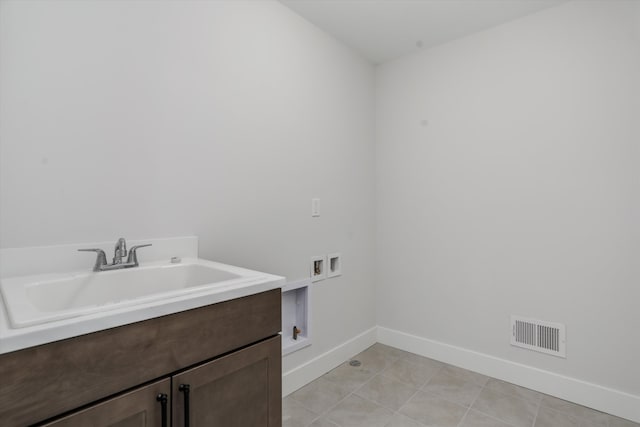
pixel 120 251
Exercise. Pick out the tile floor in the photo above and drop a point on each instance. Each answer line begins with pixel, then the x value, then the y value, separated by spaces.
pixel 394 388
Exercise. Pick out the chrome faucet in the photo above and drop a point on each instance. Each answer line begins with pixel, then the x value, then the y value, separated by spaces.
pixel 119 252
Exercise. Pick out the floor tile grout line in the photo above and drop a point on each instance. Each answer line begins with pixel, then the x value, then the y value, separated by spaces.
pixel 510 395
pixel 345 398
pixel 464 416
pixel 301 404
pixel 340 384
pixel 332 407
pixel 407 401
pixel 407 416
pixel 466 381
pixel 431 377
pixel 485 414
pixel 535 418
pixel 424 357
pixel 380 403
pixel 411 362
pixel 435 395
pixel 304 406
pixel 366 382
pixel 412 385
pixel 470 405
pixel 506 423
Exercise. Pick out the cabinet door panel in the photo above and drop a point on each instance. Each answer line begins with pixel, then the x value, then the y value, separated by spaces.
pixel 241 389
pixel 138 408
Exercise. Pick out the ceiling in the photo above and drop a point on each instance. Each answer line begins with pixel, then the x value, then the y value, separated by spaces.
pixel 382 30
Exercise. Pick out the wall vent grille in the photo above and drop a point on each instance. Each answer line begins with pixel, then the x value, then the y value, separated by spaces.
pixel 538 335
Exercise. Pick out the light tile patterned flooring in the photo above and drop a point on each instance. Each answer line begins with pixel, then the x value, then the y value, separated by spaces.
pixel 394 388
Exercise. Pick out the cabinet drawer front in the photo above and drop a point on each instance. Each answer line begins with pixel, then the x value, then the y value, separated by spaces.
pixel 41 382
pixel 138 408
pixel 238 390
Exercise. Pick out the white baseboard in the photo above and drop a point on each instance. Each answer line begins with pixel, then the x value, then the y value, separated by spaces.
pixel 319 365
pixel 604 399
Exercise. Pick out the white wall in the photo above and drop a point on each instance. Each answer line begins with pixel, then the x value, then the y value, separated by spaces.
pixel 220 119
pixel 521 193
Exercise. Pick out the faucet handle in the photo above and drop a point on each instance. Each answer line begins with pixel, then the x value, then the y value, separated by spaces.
pixel 133 255
pixel 91 250
pixel 101 259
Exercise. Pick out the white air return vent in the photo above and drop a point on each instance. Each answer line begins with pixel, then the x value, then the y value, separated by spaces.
pixel 538 335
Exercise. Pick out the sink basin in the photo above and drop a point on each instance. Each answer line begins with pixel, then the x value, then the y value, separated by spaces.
pixel 34 300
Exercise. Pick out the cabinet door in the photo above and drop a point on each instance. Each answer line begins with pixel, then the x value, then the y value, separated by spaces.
pixel 142 407
pixel 241 389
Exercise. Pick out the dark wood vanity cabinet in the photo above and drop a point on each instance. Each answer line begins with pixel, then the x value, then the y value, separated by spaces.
pixel 241 389
pixel 218 365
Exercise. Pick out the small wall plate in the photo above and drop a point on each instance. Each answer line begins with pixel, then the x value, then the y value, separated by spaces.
pixel 334 264
pixel 318 268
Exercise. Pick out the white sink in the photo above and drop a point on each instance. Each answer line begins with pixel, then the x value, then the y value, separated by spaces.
pixel 45 298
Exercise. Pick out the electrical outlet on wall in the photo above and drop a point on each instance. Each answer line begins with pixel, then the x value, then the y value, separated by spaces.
pixel 318 268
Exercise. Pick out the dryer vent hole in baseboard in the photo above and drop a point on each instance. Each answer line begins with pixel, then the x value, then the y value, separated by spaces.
pixel 539 335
